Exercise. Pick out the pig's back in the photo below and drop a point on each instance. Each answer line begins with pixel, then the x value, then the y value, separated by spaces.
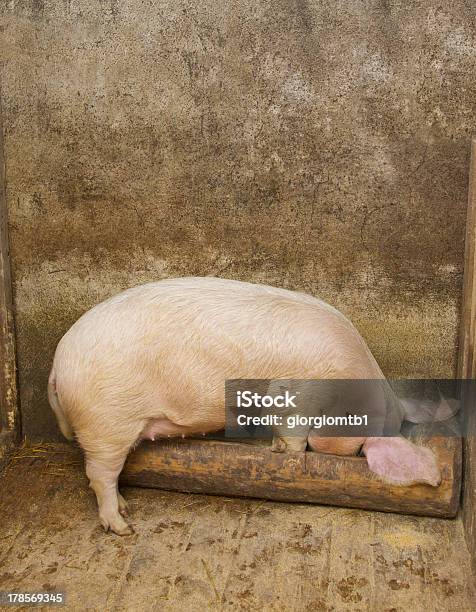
pixel 253 322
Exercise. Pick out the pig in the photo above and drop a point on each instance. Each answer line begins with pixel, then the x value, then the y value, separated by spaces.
pixel 151 363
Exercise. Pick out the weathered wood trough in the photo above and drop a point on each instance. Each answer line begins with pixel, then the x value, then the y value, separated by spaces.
pixel 231 468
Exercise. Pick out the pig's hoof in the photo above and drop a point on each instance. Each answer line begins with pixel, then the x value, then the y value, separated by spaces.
pixel 124 532
pixel 295 444
pixel 117 525
pixel 123 505
pixel 278 445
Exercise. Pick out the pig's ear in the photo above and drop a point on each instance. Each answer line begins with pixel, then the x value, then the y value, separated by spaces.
pixel 426 411
pixel 400 462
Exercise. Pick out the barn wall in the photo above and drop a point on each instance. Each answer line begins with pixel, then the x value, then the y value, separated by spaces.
pixel 315 145
pixel 467 365
pixel 9 414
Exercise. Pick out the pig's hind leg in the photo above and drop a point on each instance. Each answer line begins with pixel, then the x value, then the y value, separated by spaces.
pixel 104 462
pixel 103 472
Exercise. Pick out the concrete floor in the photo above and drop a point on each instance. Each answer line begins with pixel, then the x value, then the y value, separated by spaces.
pixel 194 552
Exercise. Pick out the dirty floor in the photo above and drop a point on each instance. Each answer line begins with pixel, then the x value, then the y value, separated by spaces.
pixel 194 552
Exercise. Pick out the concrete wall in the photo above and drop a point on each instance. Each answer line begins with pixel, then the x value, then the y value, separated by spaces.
pixel 315 145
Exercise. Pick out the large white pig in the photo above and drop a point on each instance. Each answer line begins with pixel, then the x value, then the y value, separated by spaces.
pixel 151 362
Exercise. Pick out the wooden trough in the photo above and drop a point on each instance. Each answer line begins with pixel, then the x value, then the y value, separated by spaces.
pixel 246 470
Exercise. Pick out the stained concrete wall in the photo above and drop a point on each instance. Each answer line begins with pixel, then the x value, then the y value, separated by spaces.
pixel 316 145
